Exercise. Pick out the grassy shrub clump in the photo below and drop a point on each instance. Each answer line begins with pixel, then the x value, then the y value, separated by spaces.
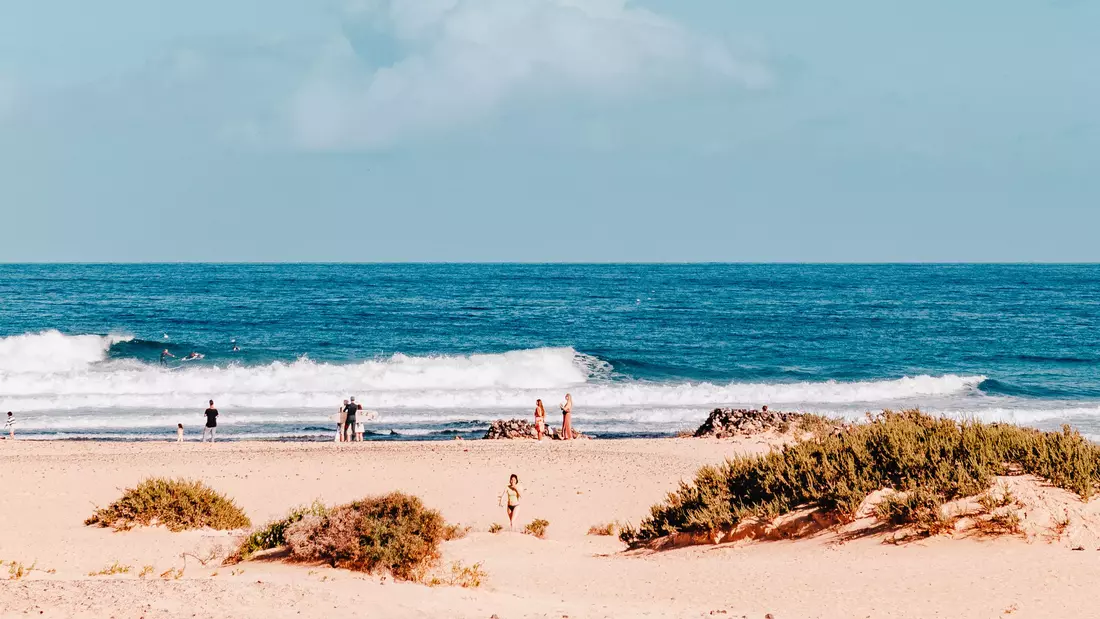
pixel 609 528
pixel 178 504
pixel 905 451
pixel 537 527
pixel 393 533
pixel 919 508
pixel 465 576
pixel 273 534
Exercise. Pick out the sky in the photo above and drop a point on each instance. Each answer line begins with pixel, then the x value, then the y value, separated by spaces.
pixel 550 130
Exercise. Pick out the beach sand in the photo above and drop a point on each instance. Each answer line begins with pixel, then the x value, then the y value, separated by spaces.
pixel 49 488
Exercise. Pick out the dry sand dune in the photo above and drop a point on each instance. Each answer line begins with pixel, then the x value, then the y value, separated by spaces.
pixel 49 488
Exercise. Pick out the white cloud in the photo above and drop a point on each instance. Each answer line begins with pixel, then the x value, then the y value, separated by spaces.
pixel 462 60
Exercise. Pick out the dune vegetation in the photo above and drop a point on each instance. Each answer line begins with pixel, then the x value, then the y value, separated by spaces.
pixel 927 460
pixel 393 533
pixel 178 504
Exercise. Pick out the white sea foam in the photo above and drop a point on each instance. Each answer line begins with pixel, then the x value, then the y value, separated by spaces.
pixel 66 382
pixel 51 351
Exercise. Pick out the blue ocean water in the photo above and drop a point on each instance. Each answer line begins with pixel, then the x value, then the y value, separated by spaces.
pixel 440 350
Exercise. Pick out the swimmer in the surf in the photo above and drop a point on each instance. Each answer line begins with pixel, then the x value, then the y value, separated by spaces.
pixel 235 347
pixel 164 356
pixel 193 356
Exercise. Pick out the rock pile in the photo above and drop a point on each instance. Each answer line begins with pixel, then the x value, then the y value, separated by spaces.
pixel 511 428
pixel 727 422
pixel 555 433
pixel 521 428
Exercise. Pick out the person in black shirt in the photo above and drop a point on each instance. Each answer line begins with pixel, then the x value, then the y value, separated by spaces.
pixel 349 424
pixel 164 357
pixel 211 422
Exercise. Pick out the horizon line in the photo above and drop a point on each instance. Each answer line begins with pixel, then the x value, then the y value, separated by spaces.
pixel 540 263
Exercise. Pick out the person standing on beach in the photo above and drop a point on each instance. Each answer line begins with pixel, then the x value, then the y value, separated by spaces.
pixel 341 422
pixel 566 421
pixel 211 423
pixel 349 424
pixel 9 425
pixel 179 433
pixel 512 494
pixel 540 419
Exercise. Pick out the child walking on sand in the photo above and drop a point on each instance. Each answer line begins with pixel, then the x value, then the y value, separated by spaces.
pixel 9 425
pixel 511 493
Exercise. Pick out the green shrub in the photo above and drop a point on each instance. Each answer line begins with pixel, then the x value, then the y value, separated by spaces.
pixel 818 425
pixel 989 501
pixel 1007 523
pixel 178 504
pixel 273 534
pixel 836 471
pixel 394 533
pixel 919 508
pixel 537 527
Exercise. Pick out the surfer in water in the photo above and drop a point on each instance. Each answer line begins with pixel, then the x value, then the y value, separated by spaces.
pixel 164 354
pixel 193 357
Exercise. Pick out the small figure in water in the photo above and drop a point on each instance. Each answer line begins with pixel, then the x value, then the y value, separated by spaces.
pixel 164 356
pixel 235 347
pixel 193 356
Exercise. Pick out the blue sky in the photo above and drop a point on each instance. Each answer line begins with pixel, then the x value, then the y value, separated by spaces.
pixel 550 130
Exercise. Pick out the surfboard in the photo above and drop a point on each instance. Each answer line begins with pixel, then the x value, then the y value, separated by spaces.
pixel 363 415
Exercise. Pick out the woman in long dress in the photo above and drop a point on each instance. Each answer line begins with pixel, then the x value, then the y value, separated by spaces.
pixel 566 414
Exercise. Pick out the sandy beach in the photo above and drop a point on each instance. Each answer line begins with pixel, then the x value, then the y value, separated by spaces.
pixel 50 487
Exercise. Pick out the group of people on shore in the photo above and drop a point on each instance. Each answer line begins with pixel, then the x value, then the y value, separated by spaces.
pixel 348 426
pixel 566 418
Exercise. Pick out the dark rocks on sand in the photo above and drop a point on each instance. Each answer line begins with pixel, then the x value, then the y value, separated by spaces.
pixel 727 422
pixel 521 428
pixel 556 434
pixel 511 428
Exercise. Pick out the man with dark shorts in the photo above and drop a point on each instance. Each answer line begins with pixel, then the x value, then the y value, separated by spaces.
pixel 349 424
pixel 211 422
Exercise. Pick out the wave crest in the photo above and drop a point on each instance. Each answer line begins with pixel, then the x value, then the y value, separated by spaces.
pixel 53 351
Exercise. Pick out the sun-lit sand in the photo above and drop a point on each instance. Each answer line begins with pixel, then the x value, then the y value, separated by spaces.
pixel 49 488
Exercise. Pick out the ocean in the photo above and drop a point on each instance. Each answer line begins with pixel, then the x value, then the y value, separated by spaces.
pixel 440 350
